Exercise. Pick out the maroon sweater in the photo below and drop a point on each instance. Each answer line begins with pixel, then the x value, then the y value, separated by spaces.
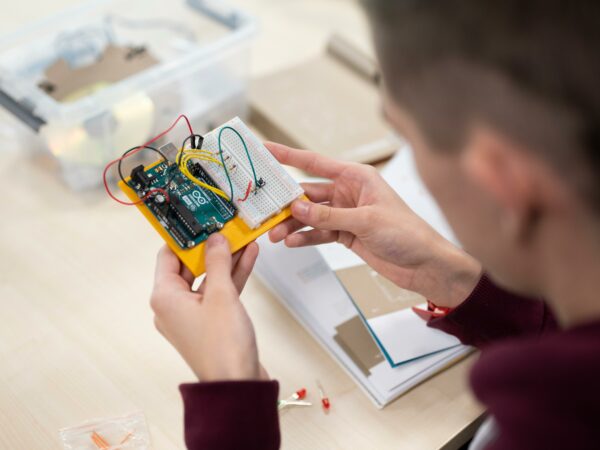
pixel 540 384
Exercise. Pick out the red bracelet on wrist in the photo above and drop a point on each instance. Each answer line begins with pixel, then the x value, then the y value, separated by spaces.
pixel 432 312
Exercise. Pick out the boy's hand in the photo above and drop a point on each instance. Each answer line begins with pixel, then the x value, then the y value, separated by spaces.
pixel 360 210
pixel 209 327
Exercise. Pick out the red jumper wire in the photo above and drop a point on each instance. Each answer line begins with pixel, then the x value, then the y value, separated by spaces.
pixel 115 161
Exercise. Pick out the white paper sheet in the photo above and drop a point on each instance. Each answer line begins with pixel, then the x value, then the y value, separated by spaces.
pixel 401 174
pixel 312 293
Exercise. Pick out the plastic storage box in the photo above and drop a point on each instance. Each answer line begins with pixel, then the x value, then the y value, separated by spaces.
pixel 94 81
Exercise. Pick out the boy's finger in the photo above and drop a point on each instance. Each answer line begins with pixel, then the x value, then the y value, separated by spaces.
pixel 318 192
pixel 308 161
pixel 325 217
pixel 243 269
pixel 282 230
pixel 167 272
pixel 187 275
pixel 166 261
pixel 236 257
pixel 311 237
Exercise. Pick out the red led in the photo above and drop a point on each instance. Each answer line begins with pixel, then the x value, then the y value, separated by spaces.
pixel 324 399
pixel 300 394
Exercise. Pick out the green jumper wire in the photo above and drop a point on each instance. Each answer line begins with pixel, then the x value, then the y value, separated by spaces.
pixel 227 127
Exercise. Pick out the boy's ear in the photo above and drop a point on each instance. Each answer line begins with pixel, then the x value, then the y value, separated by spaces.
pixel 507 174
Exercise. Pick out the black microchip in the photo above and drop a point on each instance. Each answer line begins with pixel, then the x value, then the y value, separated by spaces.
pixel 171 225
pixel 185 216
pixel 198 172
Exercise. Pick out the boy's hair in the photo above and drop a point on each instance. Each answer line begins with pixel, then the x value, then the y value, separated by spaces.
pixel 530 68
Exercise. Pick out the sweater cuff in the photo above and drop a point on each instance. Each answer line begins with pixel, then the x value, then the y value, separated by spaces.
pixel 490 313
pixel 231 415
pixel 460 322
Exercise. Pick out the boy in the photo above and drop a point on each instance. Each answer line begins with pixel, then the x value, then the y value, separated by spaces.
pixel 501 104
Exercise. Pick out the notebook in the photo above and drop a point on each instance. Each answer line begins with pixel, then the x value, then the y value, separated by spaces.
pixel 363 320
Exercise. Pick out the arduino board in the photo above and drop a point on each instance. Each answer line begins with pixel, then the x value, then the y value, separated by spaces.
pixel 228 182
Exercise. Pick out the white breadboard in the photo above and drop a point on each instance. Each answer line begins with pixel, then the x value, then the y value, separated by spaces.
pixel 279 188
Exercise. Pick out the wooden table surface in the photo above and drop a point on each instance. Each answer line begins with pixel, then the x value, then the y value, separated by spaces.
pixel 77 340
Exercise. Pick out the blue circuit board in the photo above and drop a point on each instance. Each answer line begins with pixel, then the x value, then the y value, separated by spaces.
pixel 191 213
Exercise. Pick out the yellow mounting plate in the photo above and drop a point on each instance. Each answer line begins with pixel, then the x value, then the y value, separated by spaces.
pixel 236 231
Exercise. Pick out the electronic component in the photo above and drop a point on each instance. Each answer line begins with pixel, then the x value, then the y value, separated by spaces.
pixel 185 216
pixel 271 188
pixel 169 150
pixel 324 398
pixel 139 178
pixel 296 399
pixel 191 213
pixel 240 191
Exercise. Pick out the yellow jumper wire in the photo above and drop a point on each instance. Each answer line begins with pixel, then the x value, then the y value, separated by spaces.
pixel 202 155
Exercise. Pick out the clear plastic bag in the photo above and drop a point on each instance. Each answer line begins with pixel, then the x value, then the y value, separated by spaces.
pixel 126 432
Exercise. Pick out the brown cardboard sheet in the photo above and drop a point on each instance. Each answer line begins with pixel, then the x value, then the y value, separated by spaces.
pixel 375 295
pixel 325 106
